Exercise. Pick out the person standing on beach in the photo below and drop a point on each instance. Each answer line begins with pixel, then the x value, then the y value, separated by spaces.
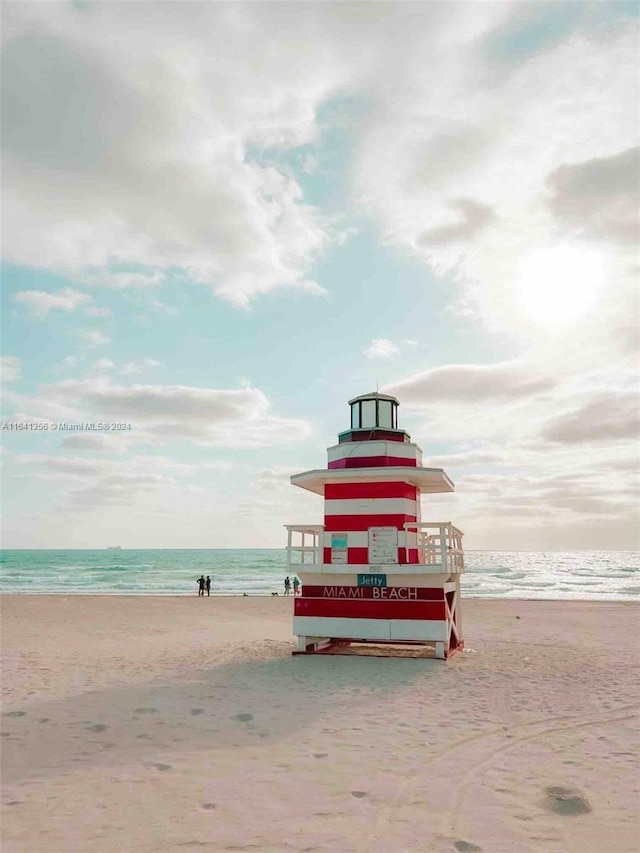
pixel 201 585
pixel 296 584
pixel 287 585
pixel 207 583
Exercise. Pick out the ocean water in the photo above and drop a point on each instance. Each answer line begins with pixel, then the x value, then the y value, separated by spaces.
pixel 586 575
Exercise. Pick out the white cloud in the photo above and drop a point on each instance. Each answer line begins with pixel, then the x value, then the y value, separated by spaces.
pixel 9 368
pixel 98 441
pixel 150 483
pixel 39 303
pixel 381 348
pixel 66 363
pixel 470 383
pixel 148 154
pixel 137 366
pixel 156 156
pixel 602 417
pixel 127 368
pixel 97 482
pixel 94 338
pixel 599 197
pixel 466 458
pixel 225 418
pixel 102 364
pixel 98 312
pixel 503 159
pixel 140 280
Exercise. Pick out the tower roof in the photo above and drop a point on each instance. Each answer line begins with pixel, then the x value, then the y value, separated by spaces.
pixel 428 480
pixel 375 395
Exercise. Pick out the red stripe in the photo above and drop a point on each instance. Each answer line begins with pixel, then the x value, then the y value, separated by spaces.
pixel 425 593
pixel 360 556
pixel 367 609
pixel 372 435
pixel 346 491
pixel 355 557
pixel 348 523
pixel 373 462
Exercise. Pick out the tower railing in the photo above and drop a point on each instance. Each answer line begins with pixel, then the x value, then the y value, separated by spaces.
pixel 439 545
pixel 304 546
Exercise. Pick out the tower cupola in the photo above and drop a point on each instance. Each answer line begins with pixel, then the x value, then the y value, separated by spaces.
pixel 374 416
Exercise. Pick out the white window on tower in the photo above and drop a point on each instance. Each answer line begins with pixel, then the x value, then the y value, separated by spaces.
pixel 384 413
pixel 368 414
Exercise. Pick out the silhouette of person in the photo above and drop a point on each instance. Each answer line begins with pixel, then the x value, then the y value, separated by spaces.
pixel 296 584
pixel 201 583
pixel 287 585
pixel 207 583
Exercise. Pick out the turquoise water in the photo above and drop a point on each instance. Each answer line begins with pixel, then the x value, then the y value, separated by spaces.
pixel 595 575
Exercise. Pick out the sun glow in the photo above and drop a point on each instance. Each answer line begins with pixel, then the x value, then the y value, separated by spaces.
pixel 561 285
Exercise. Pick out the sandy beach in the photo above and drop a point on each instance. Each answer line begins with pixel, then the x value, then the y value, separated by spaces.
pixel 146 725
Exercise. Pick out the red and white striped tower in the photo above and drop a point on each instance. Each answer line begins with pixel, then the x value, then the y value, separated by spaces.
pixel 375 572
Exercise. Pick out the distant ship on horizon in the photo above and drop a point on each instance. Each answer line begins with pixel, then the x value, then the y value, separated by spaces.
pixel 114 548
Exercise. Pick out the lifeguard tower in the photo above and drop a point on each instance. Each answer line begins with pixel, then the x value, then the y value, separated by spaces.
pixel 375 572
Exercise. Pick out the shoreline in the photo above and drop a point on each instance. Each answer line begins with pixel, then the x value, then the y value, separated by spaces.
pixel 612 598
pixel 147 724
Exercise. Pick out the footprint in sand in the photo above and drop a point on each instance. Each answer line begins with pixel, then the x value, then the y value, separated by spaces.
pixel 359 794
pixel 208 805
pixel 44 720
pixel 564 801
pixel 145 710
pixel 97 727
pixel 467 847
pixel 15 714
pixel 195 712
pixel 320 754
pixel 243 718
pixel 163 766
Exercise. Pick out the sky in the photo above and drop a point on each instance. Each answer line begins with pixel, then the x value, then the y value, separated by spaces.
pixel 222 221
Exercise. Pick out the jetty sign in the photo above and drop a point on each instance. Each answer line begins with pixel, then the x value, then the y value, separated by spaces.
pixel 372 580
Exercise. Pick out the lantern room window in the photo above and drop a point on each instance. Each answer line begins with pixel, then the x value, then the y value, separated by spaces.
pixel 368 414
pixel 385 414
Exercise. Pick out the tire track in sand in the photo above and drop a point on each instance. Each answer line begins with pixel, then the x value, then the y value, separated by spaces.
pixel 478 751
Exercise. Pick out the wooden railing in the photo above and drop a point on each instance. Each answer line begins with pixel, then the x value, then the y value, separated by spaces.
pixel 304 546
pixel 439 545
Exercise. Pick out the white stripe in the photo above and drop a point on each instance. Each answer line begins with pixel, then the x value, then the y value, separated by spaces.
pixel 345 578
pixel 371 506
pixel 370 629
pixel 411 539
pixel 322 626
pixel 412 629
pixel 434 572
pixel 355 449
